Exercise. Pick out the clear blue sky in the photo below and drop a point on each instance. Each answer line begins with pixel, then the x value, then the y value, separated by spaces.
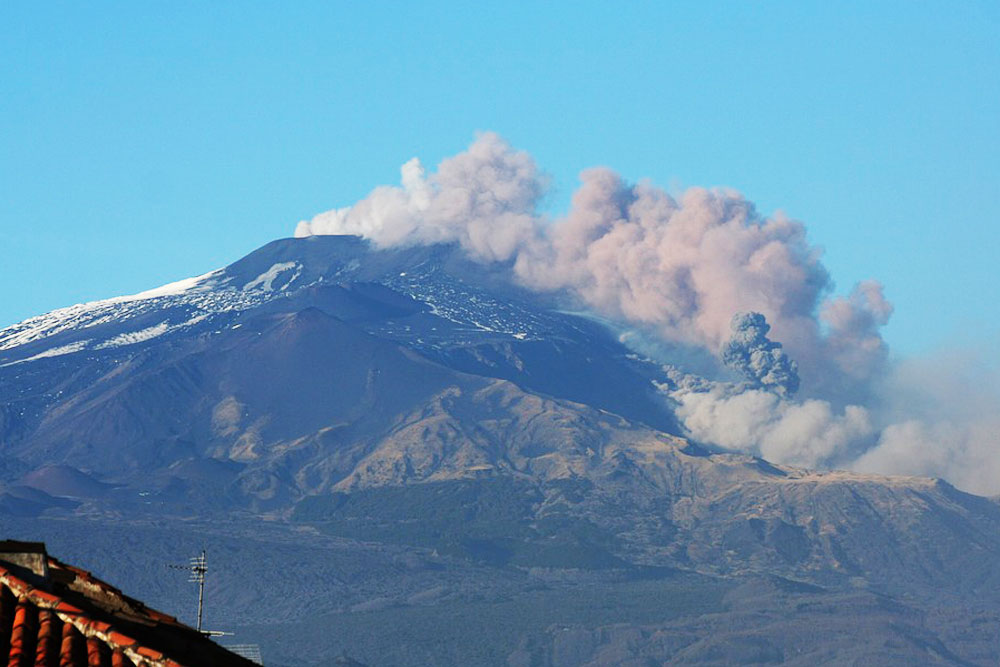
pixel 143 142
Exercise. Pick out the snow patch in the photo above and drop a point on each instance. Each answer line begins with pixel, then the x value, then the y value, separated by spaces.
pixel 265 281
pixel 194 320
pixel 134 337
pixel 53 352
pixel 295 276
pixel 170 289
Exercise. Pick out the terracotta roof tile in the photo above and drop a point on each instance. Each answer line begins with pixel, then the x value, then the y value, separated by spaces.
pixel 149 653
pixel 42 596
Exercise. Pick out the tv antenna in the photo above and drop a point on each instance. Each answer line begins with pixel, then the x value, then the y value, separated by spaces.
pixel 198 567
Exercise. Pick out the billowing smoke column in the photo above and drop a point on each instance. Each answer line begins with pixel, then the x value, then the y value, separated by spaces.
pixel 760 360
pixel 681 268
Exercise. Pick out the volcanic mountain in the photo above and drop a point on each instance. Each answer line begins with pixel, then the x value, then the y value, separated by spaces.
pixel 416 399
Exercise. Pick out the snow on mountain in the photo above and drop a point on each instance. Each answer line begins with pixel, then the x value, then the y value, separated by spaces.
pixel 187 303
pixel 115 322
pixel 194 292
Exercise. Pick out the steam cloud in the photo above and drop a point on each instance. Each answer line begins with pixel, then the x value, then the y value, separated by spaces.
pixel 484 199
pixel 680 268
pixel 808 433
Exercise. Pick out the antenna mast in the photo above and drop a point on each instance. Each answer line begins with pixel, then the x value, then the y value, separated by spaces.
pixel 199 567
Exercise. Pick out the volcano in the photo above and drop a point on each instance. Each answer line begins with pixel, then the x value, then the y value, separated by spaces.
pixel 477 460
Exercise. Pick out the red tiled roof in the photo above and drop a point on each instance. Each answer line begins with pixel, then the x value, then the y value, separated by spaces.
pixel 65 617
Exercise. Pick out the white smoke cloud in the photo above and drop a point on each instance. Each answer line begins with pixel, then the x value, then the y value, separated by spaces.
pixel 484 199
pixel 942 419
pixel 937 418
pixel 964 453
pixel 681 268
pixel 808 433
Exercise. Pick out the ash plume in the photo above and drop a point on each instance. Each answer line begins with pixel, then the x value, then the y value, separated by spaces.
pixel 761 361
pixel 680 268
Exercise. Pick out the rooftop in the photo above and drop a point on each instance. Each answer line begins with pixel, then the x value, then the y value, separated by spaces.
pixel 54 614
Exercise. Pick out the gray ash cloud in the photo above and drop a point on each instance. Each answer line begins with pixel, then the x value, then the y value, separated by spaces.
pixel 760 360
